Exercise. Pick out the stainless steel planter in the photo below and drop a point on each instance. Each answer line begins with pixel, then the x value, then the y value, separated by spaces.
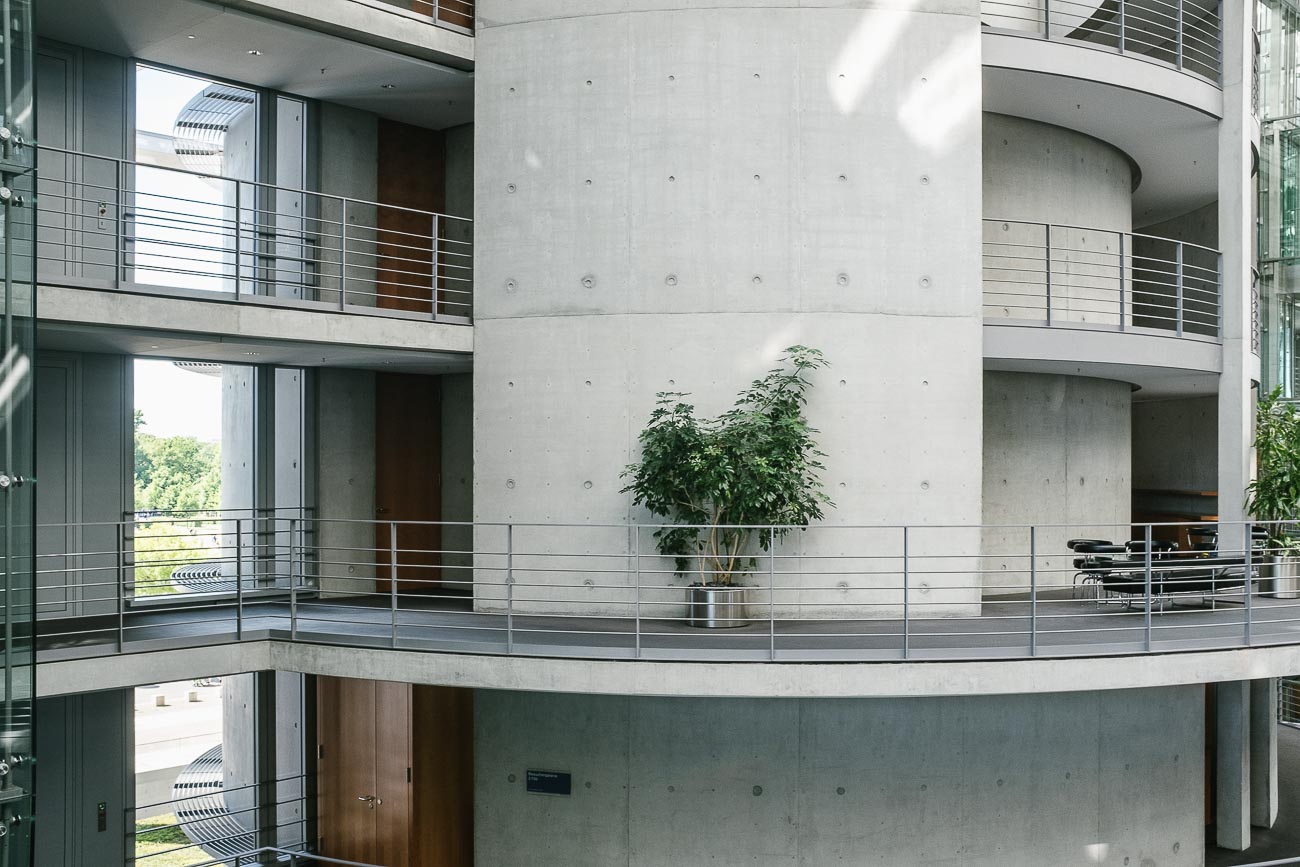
pixel 1280 577
pixel 717 607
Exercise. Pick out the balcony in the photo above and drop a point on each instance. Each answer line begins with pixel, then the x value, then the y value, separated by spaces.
pixel 825 593
pixel 455 15
pixel 215 238
pixel 1071 277
pixel 1183 34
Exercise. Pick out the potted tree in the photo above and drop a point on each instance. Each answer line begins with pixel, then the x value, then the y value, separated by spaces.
pixel 1274 494
pixel 735 483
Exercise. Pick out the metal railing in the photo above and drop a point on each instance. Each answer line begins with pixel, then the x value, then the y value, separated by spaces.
pixel 112 223
pixel 227 841
pixel 453 14
pixel 1185 34
pixel 1097 278
pixel 602 591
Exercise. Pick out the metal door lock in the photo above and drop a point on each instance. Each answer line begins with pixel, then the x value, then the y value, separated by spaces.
pixel 7 481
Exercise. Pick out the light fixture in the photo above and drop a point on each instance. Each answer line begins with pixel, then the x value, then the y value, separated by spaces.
pixel 191 36
pixel 388 86
pixel 252 353
pixel 254 52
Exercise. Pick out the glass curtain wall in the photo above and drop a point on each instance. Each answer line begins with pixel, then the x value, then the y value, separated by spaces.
pixel 17 337
pixel 1279 207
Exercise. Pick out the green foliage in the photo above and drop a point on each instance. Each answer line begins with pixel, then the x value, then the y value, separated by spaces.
pixel 756 464
pixel 1274 494
pixel 177 473
pixel 159 842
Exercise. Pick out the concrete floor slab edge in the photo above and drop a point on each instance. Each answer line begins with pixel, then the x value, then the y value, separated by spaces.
pixel 721 680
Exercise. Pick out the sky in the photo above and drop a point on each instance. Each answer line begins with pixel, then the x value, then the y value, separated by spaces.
pixel 178 402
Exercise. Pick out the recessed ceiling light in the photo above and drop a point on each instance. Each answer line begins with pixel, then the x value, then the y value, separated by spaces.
pixel 252 353
pixel 388 86
pixel 254 52
pixel 191 36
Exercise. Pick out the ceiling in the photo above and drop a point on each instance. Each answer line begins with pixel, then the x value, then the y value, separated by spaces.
pixel 237 350
pixel 291 59
pixel 1174 146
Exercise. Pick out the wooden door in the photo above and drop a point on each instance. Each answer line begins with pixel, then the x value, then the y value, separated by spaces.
pixel 408 481
pixel 346 770
pixel 411 183
pixel 364 760
pixel 392 764
pixel 443 770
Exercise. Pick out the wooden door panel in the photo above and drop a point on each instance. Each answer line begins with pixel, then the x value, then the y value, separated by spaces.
pixel 408 421
pixel 392 764
pixel 442 758
pixel 346 733
pixel 411 182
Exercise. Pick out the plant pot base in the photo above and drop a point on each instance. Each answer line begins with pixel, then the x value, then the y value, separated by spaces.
pixel 717 607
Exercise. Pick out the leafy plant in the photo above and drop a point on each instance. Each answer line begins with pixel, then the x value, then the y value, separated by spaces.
pixel 754 466
pixel 1274 494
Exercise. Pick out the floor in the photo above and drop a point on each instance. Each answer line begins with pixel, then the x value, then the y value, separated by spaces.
pixel 1283 839
pixel 1008 627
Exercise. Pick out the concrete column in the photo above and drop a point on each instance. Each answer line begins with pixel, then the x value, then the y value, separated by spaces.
pixel 1232 771
pixel 1237 133
pixel 1263 752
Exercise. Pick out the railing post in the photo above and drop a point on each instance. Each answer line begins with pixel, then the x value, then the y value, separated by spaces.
pixel 1218 295
pixel 636 568
pixel 771 592
pixel 293 581
pixel 1047 19
pixel 907 624
pixel 1179 56
pixel 239 579
pixel 1147 553
pixel 1178 287
pixel 392 576
pixel 121 585
pixel 1123 23
pixel 119 238
pixel 510 588
pixel 343 255
pixel 1047 268
pixel 1121 281
pixel 1248 583
pixel 434 255
pixel 239 236
pixel 1033 591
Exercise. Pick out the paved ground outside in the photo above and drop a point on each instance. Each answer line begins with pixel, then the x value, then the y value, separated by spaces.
pixel 170 737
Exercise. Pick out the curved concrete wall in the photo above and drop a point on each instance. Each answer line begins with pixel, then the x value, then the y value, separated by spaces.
pixel 1084 778
pixel 1038 176
pixel 676 194
pixel 1057 451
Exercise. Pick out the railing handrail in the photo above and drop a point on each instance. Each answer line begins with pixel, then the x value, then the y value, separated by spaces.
pixel 426 17
pixel 227 179
pixel 1127 232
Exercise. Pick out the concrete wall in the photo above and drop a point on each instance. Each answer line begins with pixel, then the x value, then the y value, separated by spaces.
pixel 677 194
pixel 346 479
pixel 86 745
pixel 83 407
pixel 1037 175
pixel 1109 778
pixel 1056 452
pixel 458 472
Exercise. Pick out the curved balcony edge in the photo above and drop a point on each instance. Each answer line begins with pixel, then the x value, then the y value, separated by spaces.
pixel 911 679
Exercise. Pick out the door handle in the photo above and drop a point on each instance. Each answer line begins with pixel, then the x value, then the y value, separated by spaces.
pixel 371 800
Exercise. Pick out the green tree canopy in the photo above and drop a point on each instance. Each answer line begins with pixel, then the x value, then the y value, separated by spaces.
pixel 176 473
